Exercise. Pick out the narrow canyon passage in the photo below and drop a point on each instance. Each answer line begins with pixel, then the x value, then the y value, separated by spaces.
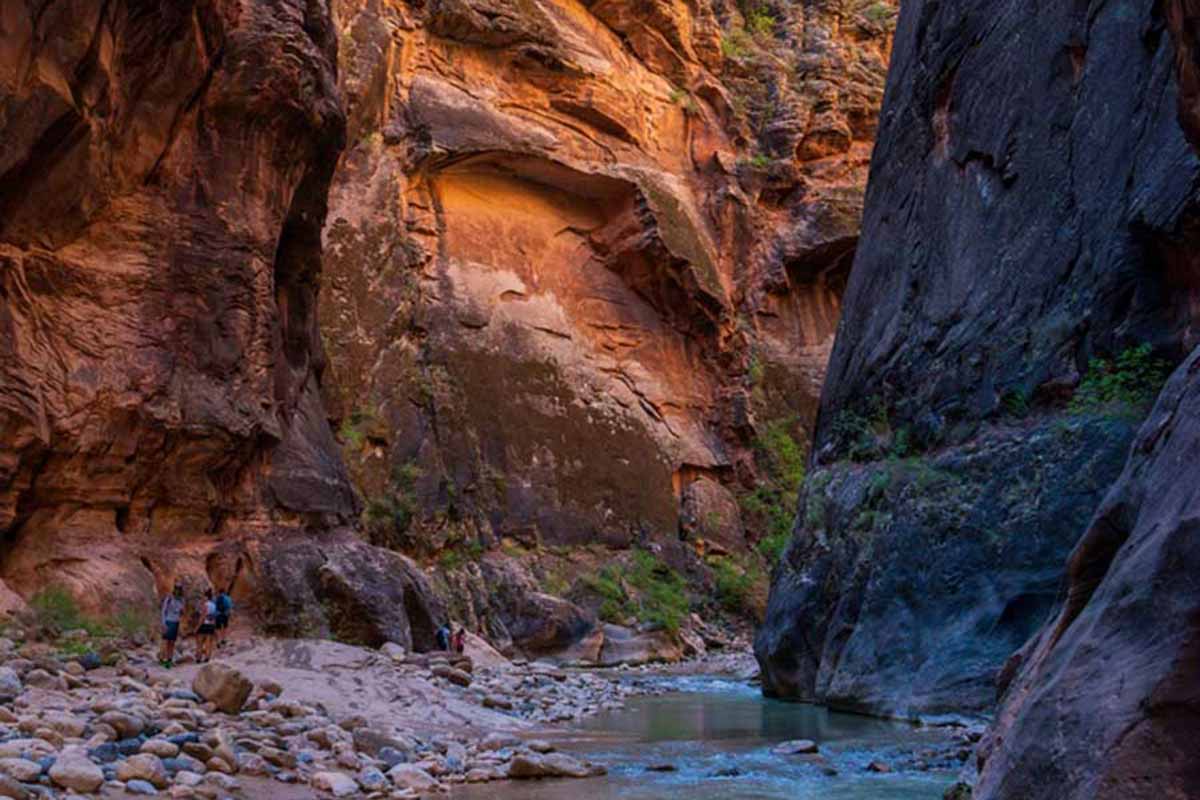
pixel 599 398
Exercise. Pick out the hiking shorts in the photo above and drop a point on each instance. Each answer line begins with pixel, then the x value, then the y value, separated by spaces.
pixel 170 631
pixel 207 630
pixel 222 621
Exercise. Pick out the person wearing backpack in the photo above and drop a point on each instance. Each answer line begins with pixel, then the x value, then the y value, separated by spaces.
pixel 224 611
pixel 206 632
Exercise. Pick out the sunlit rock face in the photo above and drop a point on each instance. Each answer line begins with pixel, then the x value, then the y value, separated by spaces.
pixel 1032 206
pixel 579 255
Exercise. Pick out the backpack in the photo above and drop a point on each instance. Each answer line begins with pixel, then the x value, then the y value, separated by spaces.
pixel 224 604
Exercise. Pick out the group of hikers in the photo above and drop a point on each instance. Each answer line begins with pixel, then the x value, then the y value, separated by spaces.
pixel 212 624
pixel 452 639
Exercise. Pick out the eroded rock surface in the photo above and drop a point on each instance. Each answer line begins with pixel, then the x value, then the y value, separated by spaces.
pixel 1105 703
pixel 579 255
pixel 1030 204
pixel 162 192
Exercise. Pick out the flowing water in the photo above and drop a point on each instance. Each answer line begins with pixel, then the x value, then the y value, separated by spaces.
pixel 718 735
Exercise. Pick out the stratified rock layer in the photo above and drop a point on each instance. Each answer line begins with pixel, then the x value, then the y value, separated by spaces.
pixel 1029 208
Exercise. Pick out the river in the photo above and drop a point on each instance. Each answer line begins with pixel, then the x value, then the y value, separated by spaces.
pixel 718 734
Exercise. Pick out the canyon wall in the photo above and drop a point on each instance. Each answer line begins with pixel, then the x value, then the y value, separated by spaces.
pixel 581 258
pixel 1104 702
pixel 1025 276
pixel 163 178
pixel 578 283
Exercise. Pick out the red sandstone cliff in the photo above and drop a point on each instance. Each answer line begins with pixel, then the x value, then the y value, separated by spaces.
pixel 580 257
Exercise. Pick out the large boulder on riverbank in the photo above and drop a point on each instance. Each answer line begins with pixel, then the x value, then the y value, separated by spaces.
pixel 223 686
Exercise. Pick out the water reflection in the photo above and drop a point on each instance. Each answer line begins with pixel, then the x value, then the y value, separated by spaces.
pixel 718 736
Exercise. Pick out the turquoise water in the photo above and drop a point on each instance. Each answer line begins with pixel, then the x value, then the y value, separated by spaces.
pixel 719 734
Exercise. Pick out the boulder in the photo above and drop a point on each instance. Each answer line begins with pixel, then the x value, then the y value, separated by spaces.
pixel 223 686
pixel 126 725
pixel 10 684
pixel 22 769
pixel 394 651
pixel 549 765
pixel 409 776
pixel 455 676
pixel 625 646
pixel 11 787
pixel 145 767
pixel 482 654
pixel 138 786
pixel 74 770
pixel 337 784
pixel 795 747
pixel 497 701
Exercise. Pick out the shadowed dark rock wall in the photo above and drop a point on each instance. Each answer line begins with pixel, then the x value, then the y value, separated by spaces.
pixel 1030 207
pixel 1104 703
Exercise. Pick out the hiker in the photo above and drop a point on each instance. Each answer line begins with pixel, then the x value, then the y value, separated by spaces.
pixel 172 613
pixel 206 632
pixel 224 609
pixel 458 641
pixel 443 637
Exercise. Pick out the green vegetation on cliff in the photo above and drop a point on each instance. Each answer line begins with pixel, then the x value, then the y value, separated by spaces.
pixel 1127 384
pixel 646 589
pixel 770 507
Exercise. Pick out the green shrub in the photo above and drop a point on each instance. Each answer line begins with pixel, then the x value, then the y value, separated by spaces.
pixel 770 507
pixel 646 589
pixel 1015 403
pixel 612 611
pixel 854 434
pixel 760 22
pixel 736 44
pixel 879 12
pixel 771 546
pixel 735 586
pixel 785 455
pixel 131 621
pixel 1128 384
pixel 458 554
pixel 55 608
